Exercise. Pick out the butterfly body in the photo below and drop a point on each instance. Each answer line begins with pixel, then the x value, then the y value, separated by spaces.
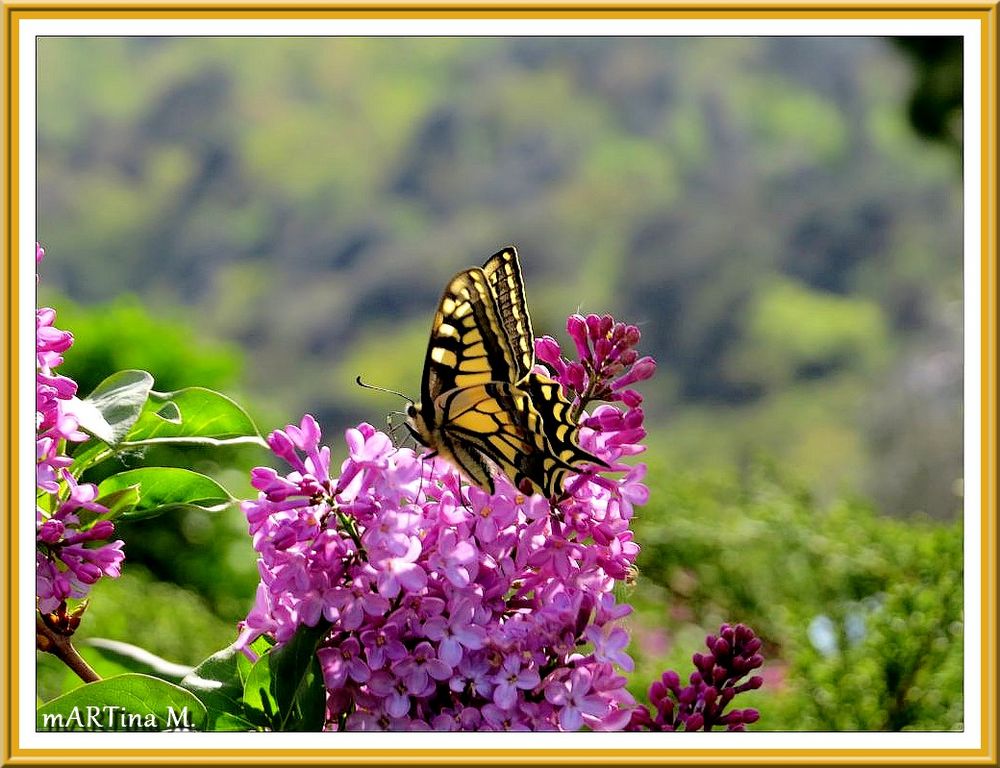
pixel 480 403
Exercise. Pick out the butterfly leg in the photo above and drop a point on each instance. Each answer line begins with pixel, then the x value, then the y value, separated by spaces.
pixel 424 458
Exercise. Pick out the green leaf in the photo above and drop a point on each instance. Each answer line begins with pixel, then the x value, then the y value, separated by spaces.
pixel 118 502
pixel 167 489
pixel 285 687
pixel 135 659
pixel 115 405
pixel 190 416
pixel 219 682
pixel 193 412
pixel 125 703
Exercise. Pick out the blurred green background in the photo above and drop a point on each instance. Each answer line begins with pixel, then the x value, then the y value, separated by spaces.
pixel 782 217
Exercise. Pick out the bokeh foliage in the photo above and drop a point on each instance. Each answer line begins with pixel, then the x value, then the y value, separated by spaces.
pixel 272 218
pixel 861 615
pixel 761 206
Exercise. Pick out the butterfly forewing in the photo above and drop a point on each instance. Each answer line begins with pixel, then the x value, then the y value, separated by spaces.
pixel 503 272
pixel 468 345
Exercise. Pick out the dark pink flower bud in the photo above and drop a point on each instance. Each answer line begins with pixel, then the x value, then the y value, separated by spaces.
pixel 720 648
pixel 630 397
pixel 694 722
pixel 642 370
pixel 548 351
pixel 594 327
pixel 666 710
pixel 88 573
pixel 633 419
pixel 102 529
pixel 632 335
pixel 671 680
pixel 576 377
pixel 576 327
pixel 602 347
pixel 51 531
pixel 628 436
pixel 606 324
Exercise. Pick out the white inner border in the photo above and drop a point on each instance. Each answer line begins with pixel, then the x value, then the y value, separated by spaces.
pixel 969 29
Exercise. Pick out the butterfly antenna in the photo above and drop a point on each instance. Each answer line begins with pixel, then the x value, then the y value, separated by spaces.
pixel 382 389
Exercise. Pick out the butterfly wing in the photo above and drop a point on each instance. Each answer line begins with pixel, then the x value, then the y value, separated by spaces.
pixel 468 344
pixel 468 347
pixel 526 431
pixel 486 420
pixel 479 403
pixel 503 273
pixel 562 452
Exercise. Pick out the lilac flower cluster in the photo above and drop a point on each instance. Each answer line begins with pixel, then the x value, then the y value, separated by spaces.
pixel 67 517
pixel 449 608
pixel 608 362
pixel 701 705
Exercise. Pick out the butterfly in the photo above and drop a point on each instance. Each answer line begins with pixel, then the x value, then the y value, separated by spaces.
pixel 481 405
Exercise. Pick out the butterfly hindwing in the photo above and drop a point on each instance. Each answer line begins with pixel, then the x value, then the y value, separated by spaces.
pixel 562 452
pixel 468 459
pixel 489 419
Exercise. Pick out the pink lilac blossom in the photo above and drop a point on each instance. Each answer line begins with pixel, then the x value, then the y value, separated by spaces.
pixel 69 559
pixel 449 608
pixel 719 676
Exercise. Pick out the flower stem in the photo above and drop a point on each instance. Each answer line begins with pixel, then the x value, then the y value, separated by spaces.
pixel 60 646
pixel 352 531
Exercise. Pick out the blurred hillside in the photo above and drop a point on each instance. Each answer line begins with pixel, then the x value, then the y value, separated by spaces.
pixel 761 207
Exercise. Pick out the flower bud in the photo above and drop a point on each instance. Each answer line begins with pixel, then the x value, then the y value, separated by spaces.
pixel 576 327
pixel 51 531
pixel 576 377
pixel 630 397
pixel 694 722
pixel 547 350
pixel 102 529
pixel 607 323
pixel 671 680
